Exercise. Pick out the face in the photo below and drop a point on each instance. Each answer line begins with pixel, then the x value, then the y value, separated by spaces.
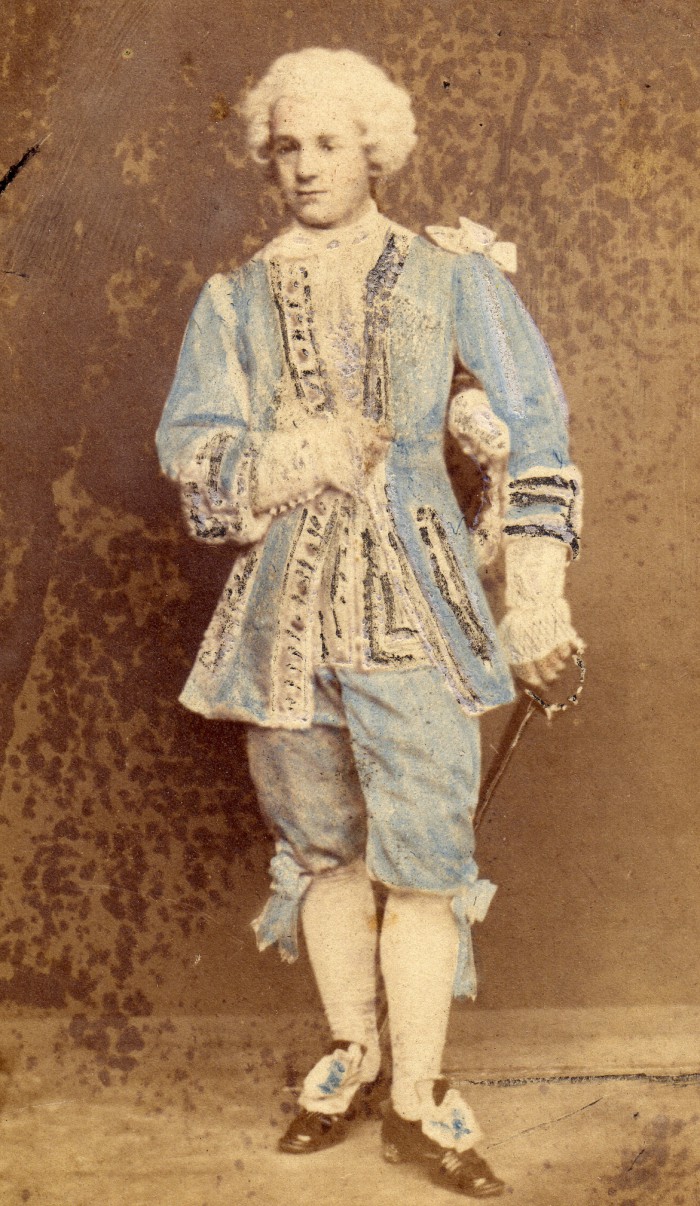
pixel 320 162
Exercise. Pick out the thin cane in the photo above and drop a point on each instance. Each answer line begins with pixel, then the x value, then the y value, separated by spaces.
pixel 524 710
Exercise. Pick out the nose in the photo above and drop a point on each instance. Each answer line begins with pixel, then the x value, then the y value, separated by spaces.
pixel 306 164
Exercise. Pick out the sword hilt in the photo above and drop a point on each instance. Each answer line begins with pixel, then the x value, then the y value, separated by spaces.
pixel 550 709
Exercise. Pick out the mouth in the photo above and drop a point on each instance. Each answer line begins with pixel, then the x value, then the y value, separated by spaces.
pixel 309 194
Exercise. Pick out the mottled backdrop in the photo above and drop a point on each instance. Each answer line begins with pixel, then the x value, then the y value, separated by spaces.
pixel 132 859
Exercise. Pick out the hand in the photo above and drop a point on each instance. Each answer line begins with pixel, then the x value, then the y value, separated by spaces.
pixel 375 440
pixel 545 670
pixel 355 450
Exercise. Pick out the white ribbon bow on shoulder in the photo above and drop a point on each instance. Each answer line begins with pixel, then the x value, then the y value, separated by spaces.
pixel 469 236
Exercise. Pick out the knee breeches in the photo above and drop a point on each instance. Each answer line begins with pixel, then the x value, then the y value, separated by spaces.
pixel 389 775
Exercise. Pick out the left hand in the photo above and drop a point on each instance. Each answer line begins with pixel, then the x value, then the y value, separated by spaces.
pixel 545 670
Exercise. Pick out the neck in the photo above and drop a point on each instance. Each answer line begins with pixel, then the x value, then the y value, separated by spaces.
pixel 365 215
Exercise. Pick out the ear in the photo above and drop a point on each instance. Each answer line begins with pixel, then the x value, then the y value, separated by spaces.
pixel 374 169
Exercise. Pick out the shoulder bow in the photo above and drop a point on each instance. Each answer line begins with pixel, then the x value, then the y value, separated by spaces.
pixel 469 236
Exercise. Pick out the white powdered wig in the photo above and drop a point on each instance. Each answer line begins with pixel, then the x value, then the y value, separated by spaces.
pixel 381 108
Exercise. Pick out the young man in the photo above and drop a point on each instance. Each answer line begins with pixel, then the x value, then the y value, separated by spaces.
pixel 306 423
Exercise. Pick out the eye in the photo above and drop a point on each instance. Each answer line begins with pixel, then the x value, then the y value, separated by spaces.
pixel 284 148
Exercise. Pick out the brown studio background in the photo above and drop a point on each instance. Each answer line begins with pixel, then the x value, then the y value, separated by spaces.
pixel 132 858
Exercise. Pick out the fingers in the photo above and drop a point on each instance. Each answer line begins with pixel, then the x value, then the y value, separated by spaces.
pixel 527 672
pixel 551 666
pixel 545 670
pixel 375 448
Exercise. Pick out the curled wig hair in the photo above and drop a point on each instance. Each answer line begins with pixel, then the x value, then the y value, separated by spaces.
pixel 381 108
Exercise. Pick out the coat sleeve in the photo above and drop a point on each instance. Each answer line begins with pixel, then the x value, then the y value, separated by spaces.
pixel 497 340
pixel 235 479
pixel 204 439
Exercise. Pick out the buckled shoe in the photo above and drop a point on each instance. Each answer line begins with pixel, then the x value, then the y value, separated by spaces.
pixel 442 1142
pixel 332 1098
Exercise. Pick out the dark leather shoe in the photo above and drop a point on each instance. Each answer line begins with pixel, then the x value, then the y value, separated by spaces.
pixel 463 1172
pixel 311 1132
pixel 315 1130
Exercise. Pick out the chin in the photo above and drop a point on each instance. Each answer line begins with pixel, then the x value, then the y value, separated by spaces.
pixel 315 216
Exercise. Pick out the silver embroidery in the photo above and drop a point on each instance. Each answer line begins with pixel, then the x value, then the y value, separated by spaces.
pixel 305 366
pixel 450 582
pixel 541 487
pixel 292 654
pixel 222 637
pixel 381 281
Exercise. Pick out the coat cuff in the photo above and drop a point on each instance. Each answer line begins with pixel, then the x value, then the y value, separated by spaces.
pixel 477 428
pixel 547 502
pixel 293 466
pixel 217 487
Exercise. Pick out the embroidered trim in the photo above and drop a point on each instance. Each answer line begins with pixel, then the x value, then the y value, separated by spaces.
pixel 200 522
pixel 201 497
pixel 367 615
pixel 441 651
pixel 450 582
pixel 381 281
pixel 222 637
pixel 209 513
pixel 291 687
pixel 540 487
pixel 338 586
pixel 215 450
pixel 385 640
pixel 292 296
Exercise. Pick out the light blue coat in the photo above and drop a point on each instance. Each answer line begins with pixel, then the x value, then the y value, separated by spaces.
pixel 434 311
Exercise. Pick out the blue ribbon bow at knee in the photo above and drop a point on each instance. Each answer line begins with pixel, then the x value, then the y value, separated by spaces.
pixel 279 920
pixel 470 904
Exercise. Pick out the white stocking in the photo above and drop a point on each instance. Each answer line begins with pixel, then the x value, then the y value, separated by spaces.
pixel 339 918
pixel 419 945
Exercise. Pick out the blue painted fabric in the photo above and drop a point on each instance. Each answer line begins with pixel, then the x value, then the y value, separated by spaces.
pixel 444 309
pixel 393 779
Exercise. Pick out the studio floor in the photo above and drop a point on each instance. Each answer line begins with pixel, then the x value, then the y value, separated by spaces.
pixel 195 1120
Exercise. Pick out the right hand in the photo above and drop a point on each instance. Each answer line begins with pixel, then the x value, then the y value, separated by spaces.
pixel 360 446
